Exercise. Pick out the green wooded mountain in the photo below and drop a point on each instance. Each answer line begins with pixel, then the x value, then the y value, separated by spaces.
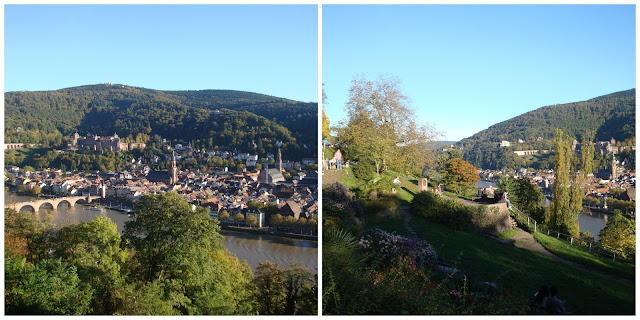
pixel 206 118
pixel 609 116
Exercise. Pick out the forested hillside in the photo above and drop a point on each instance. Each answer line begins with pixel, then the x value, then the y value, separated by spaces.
pixel 207 118
pixel 609 116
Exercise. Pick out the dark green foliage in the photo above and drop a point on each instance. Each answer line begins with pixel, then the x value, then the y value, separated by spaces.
pixel 285 291
pixel 611 116
pixel 48 116
pixel 46 288
pixel 622 205
pixel 447 212
pixel 526 196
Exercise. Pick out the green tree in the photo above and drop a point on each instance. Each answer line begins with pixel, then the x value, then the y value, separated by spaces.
pixel 460 175
pixel 270 208
pixel 527 196
pixel 255 204
pixel 238 217
pixel 568 192
pixel 276 220
pixel 46 288
pixel 285 291
pixel 93 247
pixel 619 233
pixel 252 220
pixel 224 215
pixel 181 249
pixel 381 127
pixel 289 221
pixel 560 216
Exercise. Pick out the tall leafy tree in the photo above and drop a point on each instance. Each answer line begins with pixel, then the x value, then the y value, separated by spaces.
pixel 326 131
pixel 93 247
pixel 381 127
pixel 570 173
pixel 181 249
pixel 560 215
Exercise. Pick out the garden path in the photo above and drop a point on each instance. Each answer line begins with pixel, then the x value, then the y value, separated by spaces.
pixel 332 176
pixel 407 221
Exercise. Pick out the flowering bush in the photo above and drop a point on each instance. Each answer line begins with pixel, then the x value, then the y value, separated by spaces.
pixel 409 253
pixel 339 211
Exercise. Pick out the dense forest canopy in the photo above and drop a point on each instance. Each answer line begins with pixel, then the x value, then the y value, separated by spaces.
pixel 206 118
pixel 609 116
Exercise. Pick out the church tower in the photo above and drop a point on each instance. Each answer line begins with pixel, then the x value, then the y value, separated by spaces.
pixel 614 168
pixel 173 170
pixel 279 160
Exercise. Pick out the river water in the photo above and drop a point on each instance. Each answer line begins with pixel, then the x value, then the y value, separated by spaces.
pixel 251 247
pixel 592 222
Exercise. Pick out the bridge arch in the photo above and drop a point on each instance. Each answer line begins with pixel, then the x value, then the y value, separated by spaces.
pixel 28 206
pixel 46 206
pixel 69 203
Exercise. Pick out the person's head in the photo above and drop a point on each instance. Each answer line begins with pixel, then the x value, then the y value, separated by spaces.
pixel 553 291
pixel 544 291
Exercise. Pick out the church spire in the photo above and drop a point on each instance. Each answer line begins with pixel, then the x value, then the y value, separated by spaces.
pixel 174 169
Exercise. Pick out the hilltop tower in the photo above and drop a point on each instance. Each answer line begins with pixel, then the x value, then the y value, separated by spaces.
pixel 173 170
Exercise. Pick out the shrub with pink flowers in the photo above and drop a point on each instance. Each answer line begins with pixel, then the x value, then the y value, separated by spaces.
pixel 385 247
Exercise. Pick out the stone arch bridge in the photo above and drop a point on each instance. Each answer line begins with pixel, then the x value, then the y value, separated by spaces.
pixel 54 202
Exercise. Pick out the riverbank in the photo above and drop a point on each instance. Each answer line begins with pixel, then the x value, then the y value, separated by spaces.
pixel 270 233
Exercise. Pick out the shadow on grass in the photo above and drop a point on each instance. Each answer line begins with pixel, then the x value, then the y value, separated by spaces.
pixel 408 191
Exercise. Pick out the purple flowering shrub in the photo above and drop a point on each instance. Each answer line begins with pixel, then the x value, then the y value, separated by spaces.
pixel 338 210
pixel 410 253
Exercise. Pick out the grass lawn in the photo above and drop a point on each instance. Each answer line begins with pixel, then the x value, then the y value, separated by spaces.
pixel 583 256
pixel 518 270
pixel 507 234
pixel 523 271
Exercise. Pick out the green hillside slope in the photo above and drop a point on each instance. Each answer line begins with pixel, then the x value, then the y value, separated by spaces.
pixel 609 116
pixel 206 118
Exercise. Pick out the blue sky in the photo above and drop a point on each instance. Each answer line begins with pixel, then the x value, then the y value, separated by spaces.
pixel 269 49
pixel 468 67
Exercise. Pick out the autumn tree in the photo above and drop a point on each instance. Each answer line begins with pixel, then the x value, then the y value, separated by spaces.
pixel 460 175
pixel 326 131
pixel 381 127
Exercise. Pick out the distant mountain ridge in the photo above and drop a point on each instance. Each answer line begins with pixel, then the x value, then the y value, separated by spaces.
pixel 209 118
pixel 609 116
